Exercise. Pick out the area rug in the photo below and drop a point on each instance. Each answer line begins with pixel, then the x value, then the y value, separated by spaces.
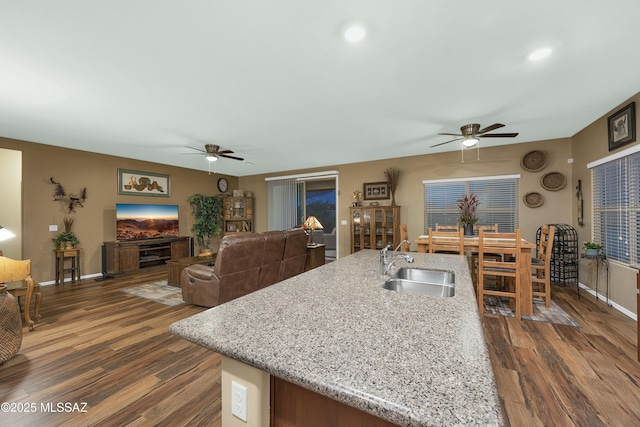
pixel 158 291
pixel 541 313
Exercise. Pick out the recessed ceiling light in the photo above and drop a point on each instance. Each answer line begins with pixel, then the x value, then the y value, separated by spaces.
pixel 354 33
pixel 539 54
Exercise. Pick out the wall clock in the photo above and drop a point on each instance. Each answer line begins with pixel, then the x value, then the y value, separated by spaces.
pixel 223 185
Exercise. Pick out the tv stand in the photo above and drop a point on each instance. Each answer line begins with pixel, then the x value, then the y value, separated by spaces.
pixel 133 255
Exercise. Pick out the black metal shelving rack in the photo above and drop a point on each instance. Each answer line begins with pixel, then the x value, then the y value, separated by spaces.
pixel 564 255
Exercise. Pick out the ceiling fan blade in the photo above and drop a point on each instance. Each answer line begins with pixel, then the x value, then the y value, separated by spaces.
pixel 451 134
pixel 230 157
pixel 499 135
pixel 490 128
pixel 446 142
pixel 225 152
pixel 197 149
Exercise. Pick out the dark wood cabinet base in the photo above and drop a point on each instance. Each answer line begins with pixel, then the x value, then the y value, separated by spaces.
pixel 292 405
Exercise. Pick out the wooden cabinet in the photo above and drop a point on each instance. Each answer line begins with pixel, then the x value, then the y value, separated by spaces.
pixel 129 256
pixel 238 214
pixel 374 227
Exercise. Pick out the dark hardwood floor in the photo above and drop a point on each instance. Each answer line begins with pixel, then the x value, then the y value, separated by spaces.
pixel 112 351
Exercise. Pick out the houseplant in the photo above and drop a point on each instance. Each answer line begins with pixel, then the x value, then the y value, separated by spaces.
pixel 66 239
pixel 468 204
pixel 591 248
pixel 207 212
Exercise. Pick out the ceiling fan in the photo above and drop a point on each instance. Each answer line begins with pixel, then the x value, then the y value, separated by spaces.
pixel 470 134
pixel 213 153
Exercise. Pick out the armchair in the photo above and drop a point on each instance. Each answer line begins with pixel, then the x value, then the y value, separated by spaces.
pixel 19 272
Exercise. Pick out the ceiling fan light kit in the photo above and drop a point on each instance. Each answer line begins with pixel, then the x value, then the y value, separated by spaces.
pixel 470 135
pixel 470 141
pixel 212 153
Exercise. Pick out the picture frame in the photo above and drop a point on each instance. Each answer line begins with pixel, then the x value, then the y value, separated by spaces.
pixel 138 183
pixel 376 191
pixel 622 126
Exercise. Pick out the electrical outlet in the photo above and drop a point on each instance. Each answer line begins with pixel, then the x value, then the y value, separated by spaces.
pixel 239 401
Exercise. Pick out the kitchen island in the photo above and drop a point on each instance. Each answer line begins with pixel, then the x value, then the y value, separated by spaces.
pixel 409 359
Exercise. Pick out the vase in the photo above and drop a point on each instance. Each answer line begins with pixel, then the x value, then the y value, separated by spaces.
pixel 591 252
pixel 468 229
pixel 10 325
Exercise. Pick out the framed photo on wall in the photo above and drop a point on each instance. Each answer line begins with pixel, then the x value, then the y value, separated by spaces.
pixel 375 191
pixel 137 183
pixel 622 126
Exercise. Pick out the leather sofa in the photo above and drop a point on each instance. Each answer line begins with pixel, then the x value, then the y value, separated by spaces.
pixel 245 262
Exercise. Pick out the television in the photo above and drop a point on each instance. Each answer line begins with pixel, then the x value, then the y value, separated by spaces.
pixel 146 221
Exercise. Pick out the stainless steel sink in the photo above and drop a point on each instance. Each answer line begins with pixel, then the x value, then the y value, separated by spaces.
pixel 424 275
pixel 422 281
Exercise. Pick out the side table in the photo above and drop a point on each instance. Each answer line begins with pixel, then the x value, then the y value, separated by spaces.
pixel 74 268
pixel 315 256
pixel 600 260
pixel 177 265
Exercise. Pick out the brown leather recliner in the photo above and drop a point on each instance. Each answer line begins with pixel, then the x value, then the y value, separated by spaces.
pixel 273 252
pixel 245 262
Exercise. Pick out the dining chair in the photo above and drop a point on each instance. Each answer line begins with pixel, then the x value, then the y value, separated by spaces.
pixel 404 238
pixel 446 227
pixel 474 255
pixel 20 272
pixel 509 268
pixel 541 264
pixel 453 242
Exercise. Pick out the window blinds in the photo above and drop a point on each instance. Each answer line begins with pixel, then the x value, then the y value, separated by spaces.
pixel 616 206
pixel 498 198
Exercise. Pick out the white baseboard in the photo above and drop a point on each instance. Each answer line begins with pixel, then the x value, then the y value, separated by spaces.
pixel 613 304
pixel 68 279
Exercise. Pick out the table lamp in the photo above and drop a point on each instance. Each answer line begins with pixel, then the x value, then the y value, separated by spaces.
pixel 5 234
pixel 311 223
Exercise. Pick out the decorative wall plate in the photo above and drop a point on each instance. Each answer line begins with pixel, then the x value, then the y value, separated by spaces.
pixel 535 160
pixel 553 181
pixel 533 199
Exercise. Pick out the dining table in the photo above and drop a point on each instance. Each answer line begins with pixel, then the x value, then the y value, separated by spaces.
pixel 472 244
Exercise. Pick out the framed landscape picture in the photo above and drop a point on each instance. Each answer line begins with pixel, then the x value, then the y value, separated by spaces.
pixel 622 126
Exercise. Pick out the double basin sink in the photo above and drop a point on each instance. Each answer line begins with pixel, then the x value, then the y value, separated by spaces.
pixel 436 283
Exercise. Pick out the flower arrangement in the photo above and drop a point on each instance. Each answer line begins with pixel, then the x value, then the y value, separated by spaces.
pixel 591 245
pixel 468 204
pixel 393 177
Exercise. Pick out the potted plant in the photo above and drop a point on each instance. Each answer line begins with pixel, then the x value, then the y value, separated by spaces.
pixel 468 204
pixel 66 239
pixel 207 212
pixel 591 248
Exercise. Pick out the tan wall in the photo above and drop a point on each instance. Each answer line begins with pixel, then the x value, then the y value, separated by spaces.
pixel 95 222
pixel 588 145
pixel 410 193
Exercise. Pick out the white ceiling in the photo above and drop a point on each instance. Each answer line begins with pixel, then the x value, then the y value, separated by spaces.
pixel 276 82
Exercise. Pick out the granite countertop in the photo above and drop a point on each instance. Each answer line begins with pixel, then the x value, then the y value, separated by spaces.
pixel 410 359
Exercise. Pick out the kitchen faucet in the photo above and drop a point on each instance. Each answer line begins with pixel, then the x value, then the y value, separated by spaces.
pixel 386 264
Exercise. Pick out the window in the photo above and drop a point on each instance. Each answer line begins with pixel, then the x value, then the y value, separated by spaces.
pixel 498 197
pixel 285 203
pixel 286 199
pixel 616 205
